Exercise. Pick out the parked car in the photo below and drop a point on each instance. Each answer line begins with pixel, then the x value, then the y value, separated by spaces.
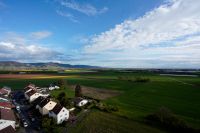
pixel 32 119
pixel 18 108
pixel 25 124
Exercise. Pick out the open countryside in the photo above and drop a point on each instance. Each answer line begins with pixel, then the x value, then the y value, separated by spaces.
pixel 134 100
pixel 99 66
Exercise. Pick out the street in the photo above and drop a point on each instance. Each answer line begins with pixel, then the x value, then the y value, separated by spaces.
pixel 24 114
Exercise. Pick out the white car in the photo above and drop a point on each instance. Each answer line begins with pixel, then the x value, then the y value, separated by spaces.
pixel 18 108
pixel 25 124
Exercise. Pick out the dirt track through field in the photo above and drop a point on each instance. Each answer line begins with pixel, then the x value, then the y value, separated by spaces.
pixel 98 93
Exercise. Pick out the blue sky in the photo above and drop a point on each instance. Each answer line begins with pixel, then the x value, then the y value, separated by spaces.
pixel 120 33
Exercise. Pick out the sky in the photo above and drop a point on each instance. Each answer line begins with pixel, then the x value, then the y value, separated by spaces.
pixel 107 33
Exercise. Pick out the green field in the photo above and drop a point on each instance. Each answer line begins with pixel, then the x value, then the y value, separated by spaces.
pixel 180 94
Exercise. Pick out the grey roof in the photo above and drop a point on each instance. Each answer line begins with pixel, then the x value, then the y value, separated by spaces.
pixel 30 93
pixel 38 100
pixel 57 109
pixel 44 102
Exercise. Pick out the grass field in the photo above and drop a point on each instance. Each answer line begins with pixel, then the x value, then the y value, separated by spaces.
pixel 100 122
pixel 179 94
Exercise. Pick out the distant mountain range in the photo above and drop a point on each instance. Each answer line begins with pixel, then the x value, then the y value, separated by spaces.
pixel 13 65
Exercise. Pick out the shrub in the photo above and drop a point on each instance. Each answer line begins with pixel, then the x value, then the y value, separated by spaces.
pixel 165 118
pixel 62 83
pixel 141 79
pixel 50 126
pixel 134 79
pixel 106 108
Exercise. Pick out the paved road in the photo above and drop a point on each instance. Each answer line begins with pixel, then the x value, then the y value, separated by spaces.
pixel 19 98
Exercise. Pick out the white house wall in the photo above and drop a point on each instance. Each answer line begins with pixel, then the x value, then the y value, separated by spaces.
pixel 63 115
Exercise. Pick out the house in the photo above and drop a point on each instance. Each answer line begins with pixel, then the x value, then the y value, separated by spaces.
pixel 5 91
pixel 32 95
pixel 27 89
pixel 30 87
pixel 45 106
pixel 7 118
pixel 37 101
pixel 3 99
pixel 53 87
pixel 80 102
pixel 8 129
pixel 6 105
pixel 59 113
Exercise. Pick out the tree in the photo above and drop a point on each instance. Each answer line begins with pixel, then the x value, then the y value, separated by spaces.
pixel 61 95
pixel 78 91
pixel 49 125
pixel 62 98
pixel 46 124
pixel 62 83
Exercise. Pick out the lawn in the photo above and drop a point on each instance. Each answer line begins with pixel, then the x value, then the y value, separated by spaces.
pixel 100 122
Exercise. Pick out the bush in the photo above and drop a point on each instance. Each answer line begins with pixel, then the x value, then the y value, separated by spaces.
pixel 50 126
pixel 142 79
pixel 165 118
pixel 62 84
pixel 106 108
pixel 134 79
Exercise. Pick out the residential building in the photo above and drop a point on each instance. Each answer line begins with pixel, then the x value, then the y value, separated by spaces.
pixel 32 95
pixel 45 106
pixel 5 91
pixel 53 87
pixel 3 99
pixel 6 105
pixel 37 101
pixel 8 129
pixel 80 101
pixel 7 118
pixel 59 113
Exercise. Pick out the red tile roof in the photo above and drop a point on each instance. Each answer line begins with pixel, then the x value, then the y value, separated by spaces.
pixel 6 104
pixel 7 114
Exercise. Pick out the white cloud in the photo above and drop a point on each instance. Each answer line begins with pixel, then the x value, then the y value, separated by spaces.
pixel 153 36
pixel 17 47
pixel 12 51
pixel 40 34
pixel 68 15
pixel 87 9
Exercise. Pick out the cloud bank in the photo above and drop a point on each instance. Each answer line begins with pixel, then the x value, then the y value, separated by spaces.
pixel 21 48
pixel 169 34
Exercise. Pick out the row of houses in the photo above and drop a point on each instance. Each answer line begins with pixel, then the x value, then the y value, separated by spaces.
pixel 7 116
pixel 32 93
pixel 45 104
